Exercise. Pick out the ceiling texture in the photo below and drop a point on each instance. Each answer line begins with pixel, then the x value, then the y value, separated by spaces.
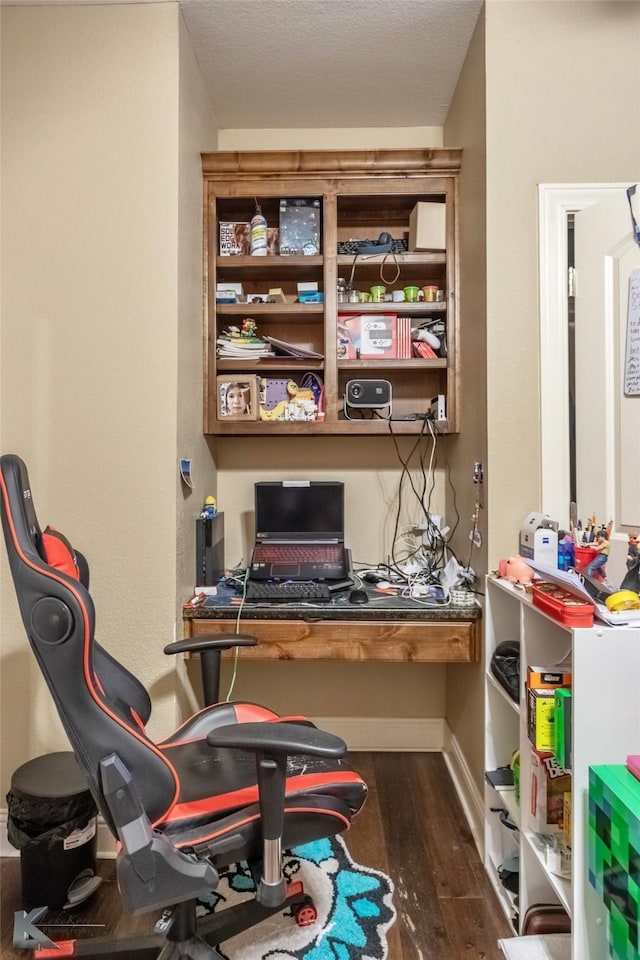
pixel 330 63
pixel 324 63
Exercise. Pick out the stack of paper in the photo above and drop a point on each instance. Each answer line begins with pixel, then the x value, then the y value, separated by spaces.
pixel 248 348
pixel 292 349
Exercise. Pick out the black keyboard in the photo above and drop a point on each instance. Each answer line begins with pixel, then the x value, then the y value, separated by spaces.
pixel 272 592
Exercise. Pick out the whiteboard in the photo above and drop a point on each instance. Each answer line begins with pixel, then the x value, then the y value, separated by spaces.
pixel 632 355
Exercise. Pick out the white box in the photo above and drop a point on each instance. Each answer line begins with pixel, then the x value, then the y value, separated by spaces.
pixel 428 227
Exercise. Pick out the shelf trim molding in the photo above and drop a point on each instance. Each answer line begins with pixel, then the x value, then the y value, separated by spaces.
pixel 249 164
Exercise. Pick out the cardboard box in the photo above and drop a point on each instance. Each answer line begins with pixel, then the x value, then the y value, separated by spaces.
pixel 541 718
pixel 548 678
pixel 549 783
pixel 367 336
pixel 235 239
pixel 562 727
pixel 428 227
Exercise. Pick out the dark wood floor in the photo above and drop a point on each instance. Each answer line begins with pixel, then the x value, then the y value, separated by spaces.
pixel 412 828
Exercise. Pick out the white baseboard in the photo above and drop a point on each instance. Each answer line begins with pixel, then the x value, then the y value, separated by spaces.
pixel 388 734
pixel 428 734
pixel 470 797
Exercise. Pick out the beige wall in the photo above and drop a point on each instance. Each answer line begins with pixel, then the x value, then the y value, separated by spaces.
pixel 197 134
pixel 563 102
pixel 89 325
pixel 465 127
pixel 330 138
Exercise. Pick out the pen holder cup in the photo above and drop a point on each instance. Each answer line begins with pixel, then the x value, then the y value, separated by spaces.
pixel 584 556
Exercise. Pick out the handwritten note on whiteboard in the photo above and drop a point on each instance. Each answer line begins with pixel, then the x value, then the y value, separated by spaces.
pixel 632 356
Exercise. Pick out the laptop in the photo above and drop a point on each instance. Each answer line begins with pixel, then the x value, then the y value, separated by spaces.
pixel 299 531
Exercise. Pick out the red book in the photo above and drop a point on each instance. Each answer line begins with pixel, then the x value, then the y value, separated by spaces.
pixel 422 349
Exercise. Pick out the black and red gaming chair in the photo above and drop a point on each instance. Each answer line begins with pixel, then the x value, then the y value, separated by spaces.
pixel 235 782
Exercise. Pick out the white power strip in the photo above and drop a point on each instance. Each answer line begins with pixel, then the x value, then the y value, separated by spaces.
pixel 438 409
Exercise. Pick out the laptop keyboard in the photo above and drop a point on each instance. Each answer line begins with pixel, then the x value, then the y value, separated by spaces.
pixel 271 592
pixel 298 553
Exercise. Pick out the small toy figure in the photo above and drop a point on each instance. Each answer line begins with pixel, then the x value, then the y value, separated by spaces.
pixel 633 552
pixel 249 327
pixel 515 570
pixel 596 568
pixel 209 510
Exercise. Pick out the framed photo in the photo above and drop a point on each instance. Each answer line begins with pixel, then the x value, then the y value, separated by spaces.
pixel 237 398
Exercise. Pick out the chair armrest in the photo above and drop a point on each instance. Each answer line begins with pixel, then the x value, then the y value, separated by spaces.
pixel 272 744
pixel 210 646
pixel 278 738
pixel 211 641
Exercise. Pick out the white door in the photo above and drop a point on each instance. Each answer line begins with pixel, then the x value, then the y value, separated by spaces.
pixel 607 420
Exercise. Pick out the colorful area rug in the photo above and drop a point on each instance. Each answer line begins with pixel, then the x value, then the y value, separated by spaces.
pixel 354 905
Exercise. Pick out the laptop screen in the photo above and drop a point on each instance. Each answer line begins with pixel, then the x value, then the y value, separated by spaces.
pixel 299 510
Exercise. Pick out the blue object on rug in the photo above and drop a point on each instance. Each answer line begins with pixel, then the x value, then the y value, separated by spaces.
pixel 354 905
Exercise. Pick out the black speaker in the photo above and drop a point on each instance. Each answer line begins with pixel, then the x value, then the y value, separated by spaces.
pixel 209 550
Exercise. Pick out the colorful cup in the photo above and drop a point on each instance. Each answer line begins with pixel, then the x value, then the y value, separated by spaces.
pixel 377 294
pixel 430 293
pixel 411 294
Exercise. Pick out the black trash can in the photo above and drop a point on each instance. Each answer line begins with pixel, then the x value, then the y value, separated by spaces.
pixel 52 822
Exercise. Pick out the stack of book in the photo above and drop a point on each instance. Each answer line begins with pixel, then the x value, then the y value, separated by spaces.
pixel 405 351
pixel 422 349
pixel 246 348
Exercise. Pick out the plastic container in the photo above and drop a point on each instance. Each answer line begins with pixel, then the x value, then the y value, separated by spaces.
pixel 584 556
pixel 562 605
pixel 52 821
pixel 566 554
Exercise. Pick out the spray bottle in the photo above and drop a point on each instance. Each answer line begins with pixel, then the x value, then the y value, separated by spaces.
pixel 258 233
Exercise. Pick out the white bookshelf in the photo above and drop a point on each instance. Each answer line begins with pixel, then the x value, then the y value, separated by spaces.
pixel 605 663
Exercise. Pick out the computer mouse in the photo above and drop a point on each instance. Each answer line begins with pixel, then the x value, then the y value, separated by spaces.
pixel 358 596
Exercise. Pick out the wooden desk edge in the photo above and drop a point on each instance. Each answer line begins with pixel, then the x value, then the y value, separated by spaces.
pixel 400 641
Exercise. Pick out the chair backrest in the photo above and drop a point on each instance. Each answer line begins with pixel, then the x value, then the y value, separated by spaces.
pixel 102 706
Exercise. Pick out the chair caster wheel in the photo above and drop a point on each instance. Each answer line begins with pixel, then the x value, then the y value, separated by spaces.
pixel 305 913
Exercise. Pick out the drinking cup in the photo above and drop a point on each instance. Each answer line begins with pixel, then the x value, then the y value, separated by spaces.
pixel 377 294
pixel 411 294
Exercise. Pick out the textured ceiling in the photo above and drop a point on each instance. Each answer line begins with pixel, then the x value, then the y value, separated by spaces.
pixel 330 63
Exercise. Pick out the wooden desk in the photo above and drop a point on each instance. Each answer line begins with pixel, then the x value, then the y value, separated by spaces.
pixel 399 631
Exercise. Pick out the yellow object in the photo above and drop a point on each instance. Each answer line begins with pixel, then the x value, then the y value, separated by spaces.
pixel 623 600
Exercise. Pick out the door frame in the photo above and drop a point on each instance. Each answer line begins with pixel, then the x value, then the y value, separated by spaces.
pixel 555 202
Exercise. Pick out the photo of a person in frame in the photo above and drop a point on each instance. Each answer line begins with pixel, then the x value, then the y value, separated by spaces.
pixel 236 399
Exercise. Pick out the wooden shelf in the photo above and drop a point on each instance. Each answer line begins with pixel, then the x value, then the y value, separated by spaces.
pixel 362 194
pixel 389 364
pixel 408 309
pixel 270 364
pixel 298 312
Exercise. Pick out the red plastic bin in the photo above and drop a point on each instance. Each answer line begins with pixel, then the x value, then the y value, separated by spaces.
pixel 584 556
pixel 562 605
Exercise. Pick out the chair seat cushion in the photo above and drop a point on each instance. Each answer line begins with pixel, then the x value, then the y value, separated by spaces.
pixel 198 767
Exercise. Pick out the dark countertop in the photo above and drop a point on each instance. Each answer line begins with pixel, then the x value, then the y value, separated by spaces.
pixel 381 606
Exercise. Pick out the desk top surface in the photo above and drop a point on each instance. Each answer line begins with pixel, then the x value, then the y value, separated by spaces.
pixel 381 606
